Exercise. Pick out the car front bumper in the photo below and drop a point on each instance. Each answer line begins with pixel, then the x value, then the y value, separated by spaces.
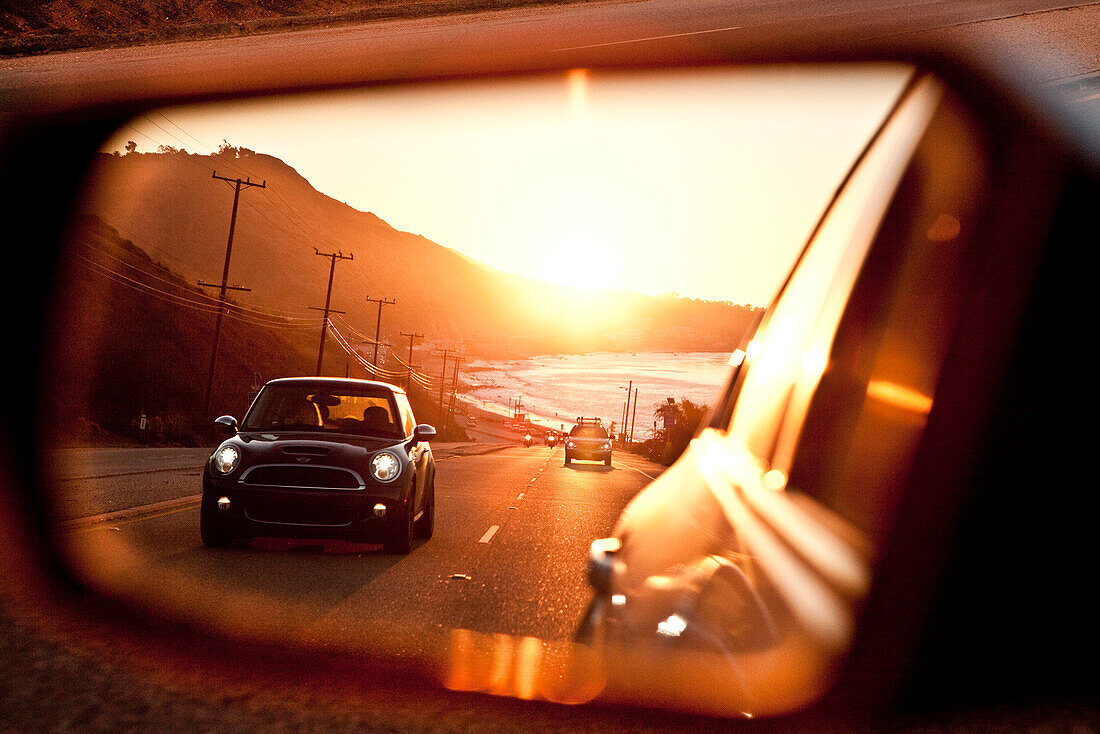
pixel 588 453
pixel 297 512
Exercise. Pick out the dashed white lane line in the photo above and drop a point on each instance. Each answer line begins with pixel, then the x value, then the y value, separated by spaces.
pixel 489 534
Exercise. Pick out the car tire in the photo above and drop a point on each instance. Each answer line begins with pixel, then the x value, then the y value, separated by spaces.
pixel 568 459
pixel 213 529
pixel 425 526
pixel 607 461
pixel 400 542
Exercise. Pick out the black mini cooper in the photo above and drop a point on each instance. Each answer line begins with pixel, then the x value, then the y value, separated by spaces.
pixel 321 457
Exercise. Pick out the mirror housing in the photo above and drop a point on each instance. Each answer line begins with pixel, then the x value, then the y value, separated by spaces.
pixel 226 424
pixel 880 618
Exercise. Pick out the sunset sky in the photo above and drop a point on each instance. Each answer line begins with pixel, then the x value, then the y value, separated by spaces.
pixel 704 183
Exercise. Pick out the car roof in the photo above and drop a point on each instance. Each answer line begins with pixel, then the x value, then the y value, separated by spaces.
pixel 334 382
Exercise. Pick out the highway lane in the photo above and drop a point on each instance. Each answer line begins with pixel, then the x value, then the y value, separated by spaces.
pixel 107 483
pixel 513 525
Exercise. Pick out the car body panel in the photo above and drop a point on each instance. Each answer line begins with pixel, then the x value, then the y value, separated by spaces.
pixel 760 541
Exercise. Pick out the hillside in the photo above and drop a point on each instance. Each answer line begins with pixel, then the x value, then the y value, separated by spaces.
pixel 135 338
pixel 169 205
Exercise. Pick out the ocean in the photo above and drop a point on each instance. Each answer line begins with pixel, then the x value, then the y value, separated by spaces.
pixel 554 389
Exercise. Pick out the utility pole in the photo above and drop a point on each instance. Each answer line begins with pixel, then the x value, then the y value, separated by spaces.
pixel 237 184
pixel 454 390
pixel 626 412
pixel 408 375
pixel 378 325
pixel 634 415
pixel 442 384
pixel 333 256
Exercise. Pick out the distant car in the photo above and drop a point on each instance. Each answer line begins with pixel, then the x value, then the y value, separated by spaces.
pixel 588 440
pixel 552 439
pixel 322 458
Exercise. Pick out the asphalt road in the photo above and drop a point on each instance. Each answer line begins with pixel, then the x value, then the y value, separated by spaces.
pixel 513 526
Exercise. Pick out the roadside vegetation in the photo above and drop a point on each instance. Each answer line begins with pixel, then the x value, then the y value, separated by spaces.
pixel 679 421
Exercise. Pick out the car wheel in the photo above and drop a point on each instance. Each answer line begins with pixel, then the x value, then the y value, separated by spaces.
pixel 607 461
pixel 400 542
pixel 213 528
pixel 425 526
pixel 568 459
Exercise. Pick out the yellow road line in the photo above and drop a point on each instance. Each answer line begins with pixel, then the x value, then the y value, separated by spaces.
pixel 131 515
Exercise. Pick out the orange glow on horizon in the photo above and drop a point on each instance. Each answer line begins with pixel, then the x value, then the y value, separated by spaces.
pixel 703 183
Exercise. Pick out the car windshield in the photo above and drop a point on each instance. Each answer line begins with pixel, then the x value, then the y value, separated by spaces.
pixel 366 411
pixel 588 432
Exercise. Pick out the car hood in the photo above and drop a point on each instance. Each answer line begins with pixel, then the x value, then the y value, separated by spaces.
pixel 306 444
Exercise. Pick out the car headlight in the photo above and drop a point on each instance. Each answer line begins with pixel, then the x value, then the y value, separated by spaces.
pixel 385 466
pixel 226 459
pixel 570 444
pixel 606 446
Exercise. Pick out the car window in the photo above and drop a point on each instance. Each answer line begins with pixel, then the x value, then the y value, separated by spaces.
pixel 407 419
pixel 313 408
pixel 788 356
pixel 840 378
pixel 861 427
pixel 588 432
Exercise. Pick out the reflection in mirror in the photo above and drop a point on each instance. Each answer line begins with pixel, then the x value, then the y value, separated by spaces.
pixel 573 257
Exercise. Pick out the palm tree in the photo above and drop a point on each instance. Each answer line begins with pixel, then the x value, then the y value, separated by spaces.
pixel 680 420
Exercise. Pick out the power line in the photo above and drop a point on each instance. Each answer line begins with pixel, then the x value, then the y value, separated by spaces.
pixel 203 298
pixel 182 301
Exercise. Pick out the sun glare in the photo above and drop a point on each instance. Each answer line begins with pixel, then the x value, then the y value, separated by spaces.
pixel 577 82
pixel 703 183
pixel 580 261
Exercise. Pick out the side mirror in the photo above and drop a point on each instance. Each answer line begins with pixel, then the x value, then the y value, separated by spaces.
pixel 423 433
pixel 226 424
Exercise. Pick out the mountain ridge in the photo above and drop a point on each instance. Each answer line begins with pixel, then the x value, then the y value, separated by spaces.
pixel 169 204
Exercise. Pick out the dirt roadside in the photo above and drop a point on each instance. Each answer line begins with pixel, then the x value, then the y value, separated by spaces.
pixel 28 27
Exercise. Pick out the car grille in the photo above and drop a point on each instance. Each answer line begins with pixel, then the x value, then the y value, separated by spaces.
pixel 305 477
pixel 293 511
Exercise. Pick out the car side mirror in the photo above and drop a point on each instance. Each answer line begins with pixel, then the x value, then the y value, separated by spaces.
pixel 226 424
pixel 423 433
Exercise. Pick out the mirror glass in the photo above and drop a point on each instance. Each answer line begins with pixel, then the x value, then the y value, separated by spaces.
pixel 576 253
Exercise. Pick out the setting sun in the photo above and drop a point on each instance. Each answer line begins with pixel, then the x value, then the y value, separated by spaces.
pixel 580 261
pixel 701 183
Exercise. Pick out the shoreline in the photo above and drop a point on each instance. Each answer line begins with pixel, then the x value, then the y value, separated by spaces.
pixel 555 388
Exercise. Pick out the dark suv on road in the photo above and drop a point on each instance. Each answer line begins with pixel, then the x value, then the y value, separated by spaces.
pixel 589 441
